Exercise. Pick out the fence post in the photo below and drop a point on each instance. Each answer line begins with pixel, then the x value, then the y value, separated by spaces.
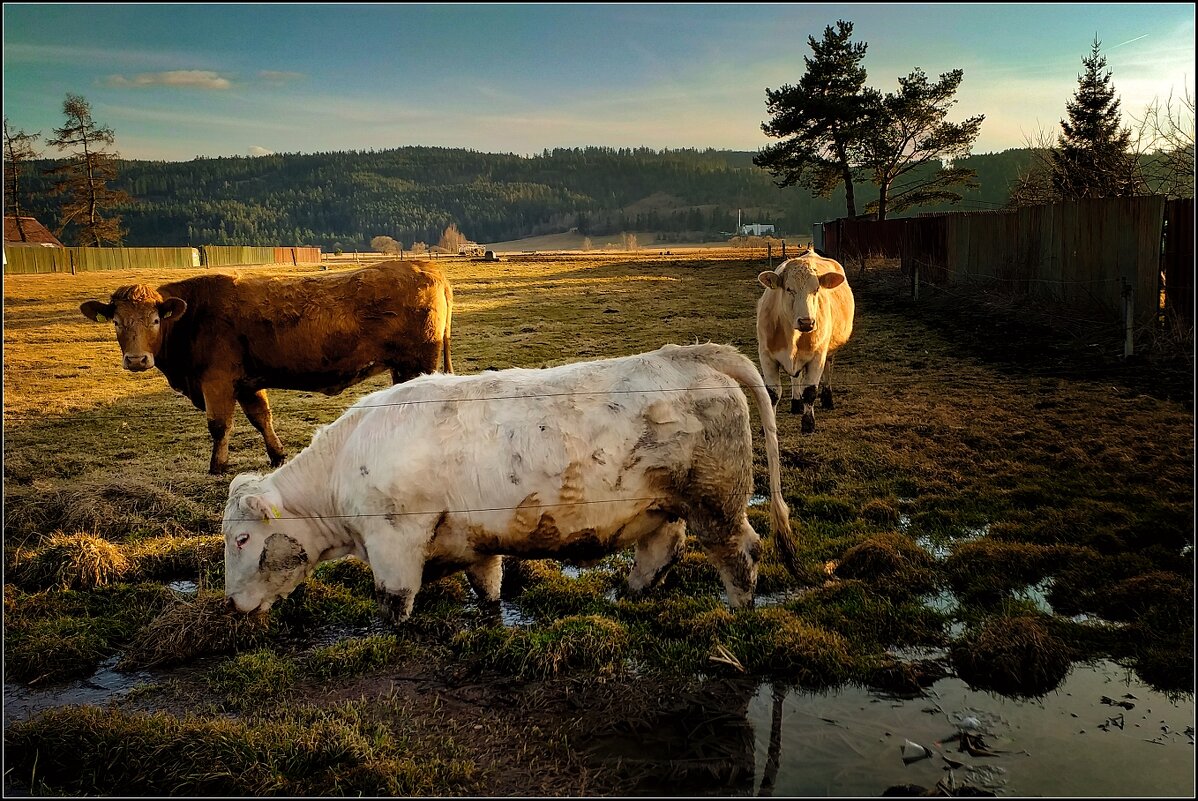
pixel 769 252
pixel 915 279
pixel 1128 318
pixel 783 250
pixel 71 253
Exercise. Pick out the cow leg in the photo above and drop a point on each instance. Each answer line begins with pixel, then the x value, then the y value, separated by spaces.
pixel 257 409
pixel 736 559
pixel 654 555
pixel 485 576
pixel 218 406
pixel 396 556
pixel 771 373
pixel 825 393
pixel 811 378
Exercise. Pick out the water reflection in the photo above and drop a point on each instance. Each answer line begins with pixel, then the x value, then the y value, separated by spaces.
pixel 849 741
pixel 741 737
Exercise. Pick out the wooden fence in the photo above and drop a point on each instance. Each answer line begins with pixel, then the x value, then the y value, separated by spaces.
pixel 28 259
pixel 1087 254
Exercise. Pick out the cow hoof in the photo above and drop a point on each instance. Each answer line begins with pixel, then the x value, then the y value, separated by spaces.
pixel 217 469
pixel 796 406
pixel 825 399
pixel 808 426
pixel 276 461
pixel 773 396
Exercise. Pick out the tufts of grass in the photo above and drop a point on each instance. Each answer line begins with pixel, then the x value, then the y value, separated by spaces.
pixel 777 641
pixel 357 656
pixel 108 507
pixel 985 571
pixel 879 511
pixel 559 596
pixel 893 564
pixel 70 562
pixel 1015 655
pixel 520 574
pixel 56 635
pixel 247 680
pixel 853 610
pixel 317 603
pixel 305 751
pixel 349 572
pixel 171 557
pixel 580 642
pixel 189 629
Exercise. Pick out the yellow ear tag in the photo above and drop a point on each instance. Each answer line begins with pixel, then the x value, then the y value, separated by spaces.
pixel 168 314
pixel 275 511
pixel 101 318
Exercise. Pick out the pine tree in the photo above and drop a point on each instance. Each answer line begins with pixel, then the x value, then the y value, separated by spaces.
pixel 18 149
pixel 1092 157
pixel 820 119
pixel 85 176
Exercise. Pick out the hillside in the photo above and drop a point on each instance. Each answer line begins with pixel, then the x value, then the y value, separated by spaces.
pixel 344 199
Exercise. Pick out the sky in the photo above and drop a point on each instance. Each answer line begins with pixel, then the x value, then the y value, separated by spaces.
pixel 177 81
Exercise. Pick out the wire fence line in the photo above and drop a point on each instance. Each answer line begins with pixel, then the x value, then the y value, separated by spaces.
pixel 483 510
pixel 836 384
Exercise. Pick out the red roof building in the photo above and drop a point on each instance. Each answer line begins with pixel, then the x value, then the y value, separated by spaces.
pixel 34 233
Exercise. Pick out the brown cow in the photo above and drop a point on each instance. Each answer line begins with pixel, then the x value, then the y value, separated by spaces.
pixel 224 339
pixel 804 315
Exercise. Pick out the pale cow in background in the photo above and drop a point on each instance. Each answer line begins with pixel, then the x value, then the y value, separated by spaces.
pixel 804 315
pixel 446 473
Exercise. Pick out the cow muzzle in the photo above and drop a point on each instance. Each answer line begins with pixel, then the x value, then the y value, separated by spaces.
pixel 136 363
pixel 805 325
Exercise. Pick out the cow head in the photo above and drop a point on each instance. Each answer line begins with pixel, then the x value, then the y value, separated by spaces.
pixel 139 314
pixel 267 551
pixel 800 281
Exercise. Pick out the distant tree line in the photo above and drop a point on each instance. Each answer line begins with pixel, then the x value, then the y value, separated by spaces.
pixel 413 194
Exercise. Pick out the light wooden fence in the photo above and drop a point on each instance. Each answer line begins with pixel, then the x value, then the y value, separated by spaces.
pixel 27 259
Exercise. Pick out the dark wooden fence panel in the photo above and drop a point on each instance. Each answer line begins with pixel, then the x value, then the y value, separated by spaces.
pixel 1178 262
pixel 1087 254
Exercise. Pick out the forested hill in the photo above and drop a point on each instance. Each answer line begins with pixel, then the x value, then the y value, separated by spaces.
pixel 344 199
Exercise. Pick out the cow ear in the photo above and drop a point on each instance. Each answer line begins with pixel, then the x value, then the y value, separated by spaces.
pixel 769 279
pixel 831 280
pixel 97 311
pixel 172 307
pixel 257 506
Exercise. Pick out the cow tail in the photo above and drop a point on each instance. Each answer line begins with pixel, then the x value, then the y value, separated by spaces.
pixel 735 365
pixel 445 332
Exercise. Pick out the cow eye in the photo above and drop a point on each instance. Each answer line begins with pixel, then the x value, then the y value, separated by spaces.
pixel 242 539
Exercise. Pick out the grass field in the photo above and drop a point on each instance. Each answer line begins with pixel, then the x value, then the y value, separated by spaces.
pixel 984 486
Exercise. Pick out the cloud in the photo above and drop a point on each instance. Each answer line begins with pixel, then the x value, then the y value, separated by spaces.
pixel 197 79
pixel 280 76
pixel 260 151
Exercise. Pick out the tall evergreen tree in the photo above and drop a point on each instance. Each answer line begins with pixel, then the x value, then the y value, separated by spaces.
pixel 18 149
pixel 820 119
pixel 1092 157
pixel 907 131
pixel 84 176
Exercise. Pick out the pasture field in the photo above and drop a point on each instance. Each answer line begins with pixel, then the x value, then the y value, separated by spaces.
pixel 989 499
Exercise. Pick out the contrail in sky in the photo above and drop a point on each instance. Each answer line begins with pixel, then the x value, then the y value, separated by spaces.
pixel 1129 41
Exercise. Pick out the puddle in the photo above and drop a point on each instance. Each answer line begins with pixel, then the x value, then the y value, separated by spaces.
pixel 185 588
pixel 737 738
pixel 106 684
pixel 513 616
pixel 849 742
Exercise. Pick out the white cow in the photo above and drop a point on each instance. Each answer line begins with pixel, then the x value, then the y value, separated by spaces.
pixel 450 472
pixel 804 315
